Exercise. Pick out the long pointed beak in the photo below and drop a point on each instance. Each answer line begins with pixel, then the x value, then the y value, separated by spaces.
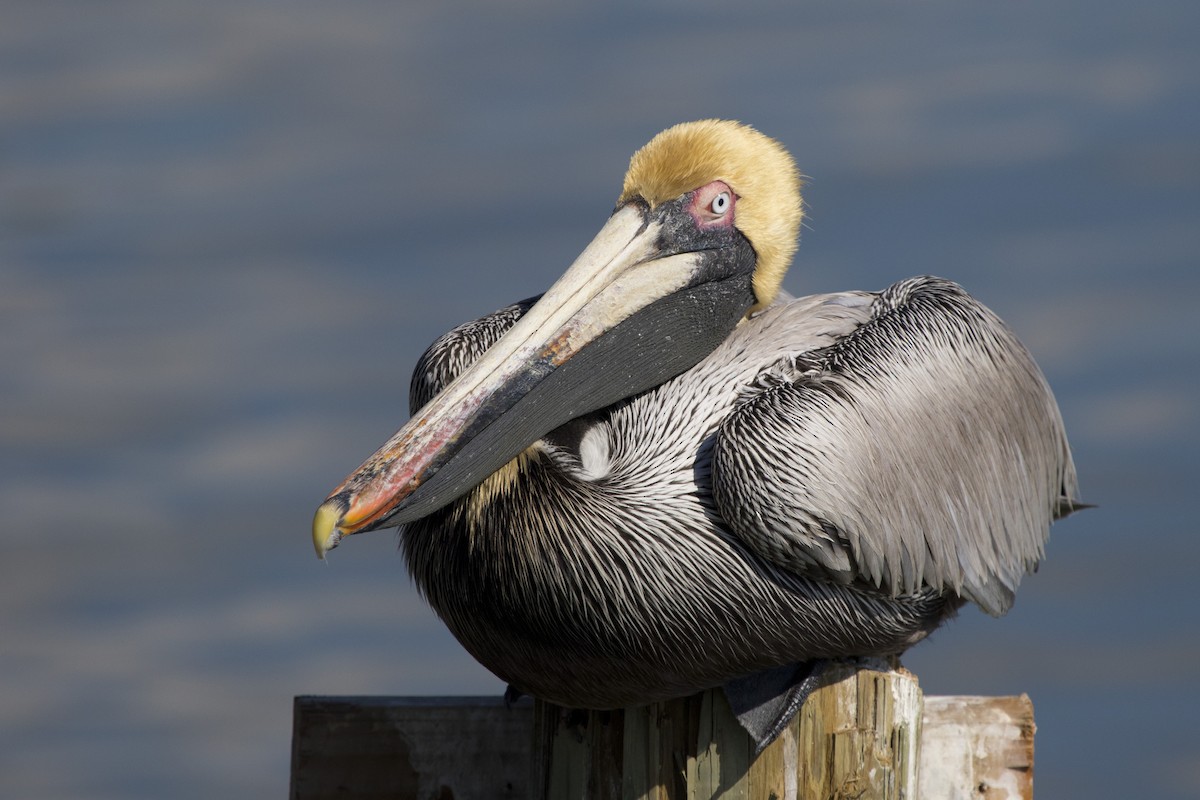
pixel 548 369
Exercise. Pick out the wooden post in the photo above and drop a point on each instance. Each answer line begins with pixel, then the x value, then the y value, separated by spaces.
pixel 402 748
pixel 856 736
pixel 978 747
pixel 864 733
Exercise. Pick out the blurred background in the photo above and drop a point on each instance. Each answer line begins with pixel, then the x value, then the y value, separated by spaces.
pixel 227 230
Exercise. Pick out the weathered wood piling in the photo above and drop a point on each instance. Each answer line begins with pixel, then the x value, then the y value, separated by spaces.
pixel 864 733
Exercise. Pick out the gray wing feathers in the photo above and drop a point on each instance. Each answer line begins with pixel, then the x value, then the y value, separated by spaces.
pixel 922 450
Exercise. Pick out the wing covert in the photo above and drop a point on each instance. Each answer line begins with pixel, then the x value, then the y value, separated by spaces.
pixel 924 449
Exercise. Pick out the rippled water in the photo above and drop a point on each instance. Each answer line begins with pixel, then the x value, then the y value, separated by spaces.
pixel 228 229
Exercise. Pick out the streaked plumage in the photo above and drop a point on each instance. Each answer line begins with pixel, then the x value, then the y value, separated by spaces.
pixel 834 476
pixel 765 507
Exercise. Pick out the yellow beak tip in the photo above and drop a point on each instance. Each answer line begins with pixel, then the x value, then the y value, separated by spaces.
pixel 325 531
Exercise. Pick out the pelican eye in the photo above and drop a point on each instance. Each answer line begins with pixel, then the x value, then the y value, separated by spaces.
pixel 720 204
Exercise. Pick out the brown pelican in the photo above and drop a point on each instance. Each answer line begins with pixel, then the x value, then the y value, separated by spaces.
pixel 663 475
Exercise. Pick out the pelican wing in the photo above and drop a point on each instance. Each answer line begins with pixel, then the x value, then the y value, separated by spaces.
pixel 924 449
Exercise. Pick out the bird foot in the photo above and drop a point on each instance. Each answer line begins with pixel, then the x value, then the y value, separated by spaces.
pixel 574 720
pixel 511 695
pixel 765 702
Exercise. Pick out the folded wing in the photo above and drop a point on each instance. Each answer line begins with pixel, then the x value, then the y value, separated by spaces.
pixel 924 449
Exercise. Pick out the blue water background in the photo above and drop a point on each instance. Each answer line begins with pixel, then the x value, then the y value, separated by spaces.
pixel 227 229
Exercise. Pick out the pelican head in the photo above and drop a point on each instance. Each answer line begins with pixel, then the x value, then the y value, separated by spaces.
pixel 702 234
pixel 758 169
